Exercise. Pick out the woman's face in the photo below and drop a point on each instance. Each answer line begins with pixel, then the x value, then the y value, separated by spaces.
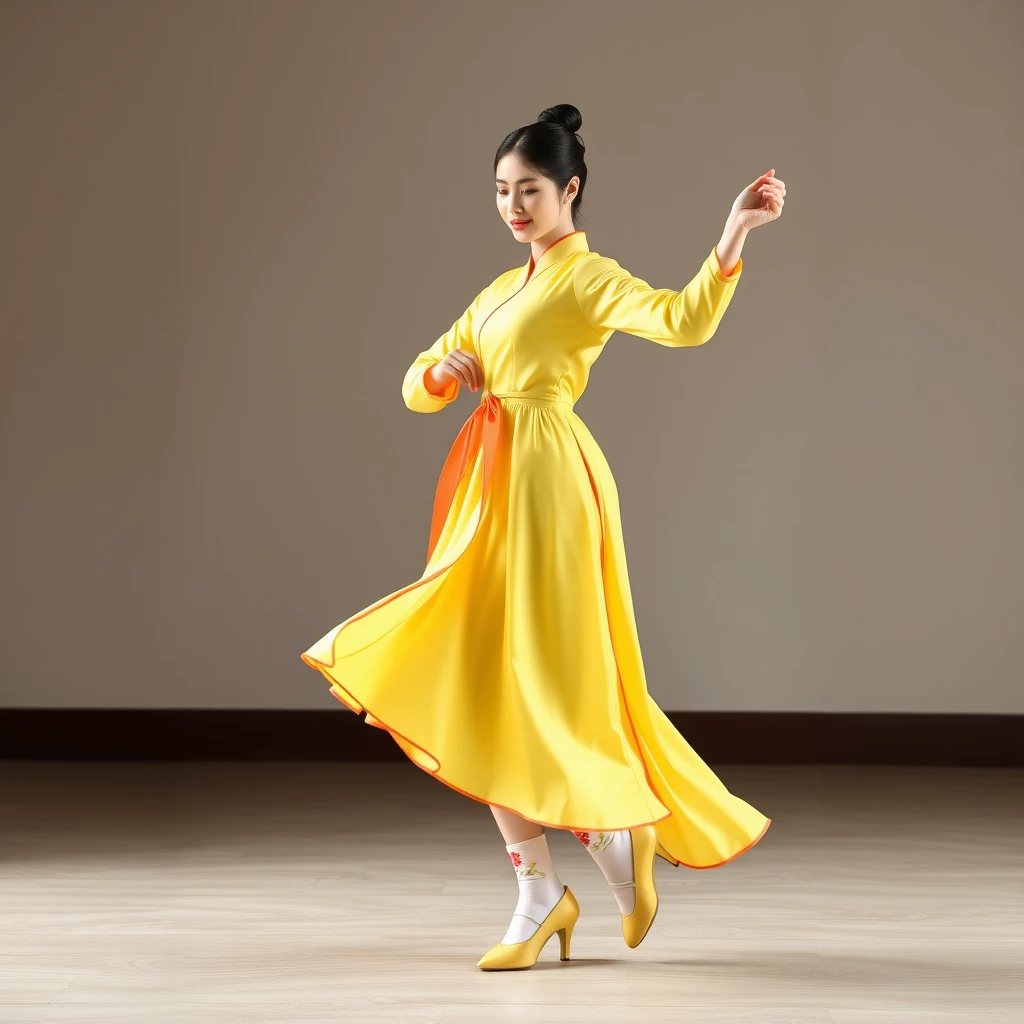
pixel 531 205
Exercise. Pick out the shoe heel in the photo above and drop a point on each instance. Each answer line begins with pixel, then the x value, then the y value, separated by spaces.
pixel 564 935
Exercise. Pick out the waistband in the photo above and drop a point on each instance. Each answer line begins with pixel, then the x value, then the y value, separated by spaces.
pixel 534 396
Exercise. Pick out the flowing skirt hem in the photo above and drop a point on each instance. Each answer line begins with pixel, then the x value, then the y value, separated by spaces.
pixel 424 759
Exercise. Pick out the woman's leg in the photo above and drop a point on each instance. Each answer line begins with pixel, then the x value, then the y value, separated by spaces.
pixel 513 828
pixel 613 852
pixel 539 886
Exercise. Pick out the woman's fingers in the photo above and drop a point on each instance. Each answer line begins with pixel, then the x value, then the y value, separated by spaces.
pixel 466 366
pixel 472 368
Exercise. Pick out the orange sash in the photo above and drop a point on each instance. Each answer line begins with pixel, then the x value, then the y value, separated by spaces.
pixel 483 428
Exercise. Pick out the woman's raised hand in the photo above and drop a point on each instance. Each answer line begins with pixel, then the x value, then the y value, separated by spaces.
pixel 461 366
pixel 760 202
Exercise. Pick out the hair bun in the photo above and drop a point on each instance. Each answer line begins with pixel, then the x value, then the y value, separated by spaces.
pixel 565 114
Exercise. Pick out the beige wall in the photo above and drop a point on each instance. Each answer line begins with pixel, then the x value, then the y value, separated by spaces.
pixel 229 228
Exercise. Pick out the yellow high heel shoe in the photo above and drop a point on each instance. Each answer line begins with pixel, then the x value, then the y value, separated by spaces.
pixel 515 956
pixel 636 925
pixel 665 855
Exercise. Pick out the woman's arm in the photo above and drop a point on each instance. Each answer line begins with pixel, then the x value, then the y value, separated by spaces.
pixel 730 245
pixel 610 298
pixel 421 390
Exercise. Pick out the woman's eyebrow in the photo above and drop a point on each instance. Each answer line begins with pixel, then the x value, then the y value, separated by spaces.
pixel 501 181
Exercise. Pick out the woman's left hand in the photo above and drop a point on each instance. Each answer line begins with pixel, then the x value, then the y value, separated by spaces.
pixel 760 202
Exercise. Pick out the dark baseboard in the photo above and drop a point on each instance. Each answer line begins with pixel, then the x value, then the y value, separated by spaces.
pixel 336 734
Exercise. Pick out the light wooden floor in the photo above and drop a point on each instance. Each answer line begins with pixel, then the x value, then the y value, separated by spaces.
pixel 287 893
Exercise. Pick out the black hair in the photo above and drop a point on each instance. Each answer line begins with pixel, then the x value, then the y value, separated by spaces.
pixel 551 147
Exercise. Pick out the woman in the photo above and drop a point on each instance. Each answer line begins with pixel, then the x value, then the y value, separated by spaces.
pixel 511 669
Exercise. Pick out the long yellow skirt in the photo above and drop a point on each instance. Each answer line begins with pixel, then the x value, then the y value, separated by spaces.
pixel 511 669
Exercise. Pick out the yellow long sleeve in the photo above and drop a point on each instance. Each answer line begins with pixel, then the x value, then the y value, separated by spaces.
pixel 458 336
pixel 612 299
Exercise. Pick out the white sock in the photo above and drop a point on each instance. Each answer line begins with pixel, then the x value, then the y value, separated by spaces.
pixel 539 887
pixel 613 852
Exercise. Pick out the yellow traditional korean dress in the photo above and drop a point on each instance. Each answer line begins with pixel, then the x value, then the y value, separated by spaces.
pixel 511 669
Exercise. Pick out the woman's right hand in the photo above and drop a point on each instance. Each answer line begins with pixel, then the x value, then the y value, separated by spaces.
pixel 461 366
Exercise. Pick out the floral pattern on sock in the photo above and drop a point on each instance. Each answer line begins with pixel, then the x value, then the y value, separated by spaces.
pixel 583 837
pixel 530 871
pixel 602 841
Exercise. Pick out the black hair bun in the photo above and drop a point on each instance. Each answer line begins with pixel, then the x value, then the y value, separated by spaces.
pixel 565 114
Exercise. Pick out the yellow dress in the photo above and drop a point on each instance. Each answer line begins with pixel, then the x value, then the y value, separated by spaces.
pixel 511 669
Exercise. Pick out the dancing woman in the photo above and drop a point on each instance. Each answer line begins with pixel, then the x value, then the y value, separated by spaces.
pixel 511 669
